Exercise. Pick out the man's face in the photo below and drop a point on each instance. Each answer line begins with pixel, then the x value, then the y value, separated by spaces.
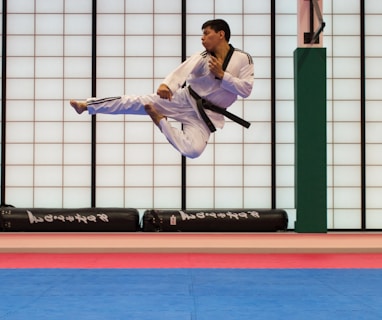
pixel 211 39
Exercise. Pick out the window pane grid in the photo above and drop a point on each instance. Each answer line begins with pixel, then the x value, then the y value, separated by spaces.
pixel 50 56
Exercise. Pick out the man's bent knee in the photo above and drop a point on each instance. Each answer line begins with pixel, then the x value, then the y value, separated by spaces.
pixel 194 151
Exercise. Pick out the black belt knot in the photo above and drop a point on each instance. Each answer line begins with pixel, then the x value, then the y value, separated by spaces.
pixel 204 104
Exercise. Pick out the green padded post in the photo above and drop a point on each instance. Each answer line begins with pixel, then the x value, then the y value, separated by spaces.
pixel 310 140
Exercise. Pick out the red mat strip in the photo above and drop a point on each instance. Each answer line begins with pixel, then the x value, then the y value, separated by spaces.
pixel 189 260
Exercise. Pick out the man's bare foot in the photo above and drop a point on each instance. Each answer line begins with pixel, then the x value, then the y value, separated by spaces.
pixel 154 114
pixel 79 106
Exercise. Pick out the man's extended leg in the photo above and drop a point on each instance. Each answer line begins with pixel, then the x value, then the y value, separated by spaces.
pixel 113 105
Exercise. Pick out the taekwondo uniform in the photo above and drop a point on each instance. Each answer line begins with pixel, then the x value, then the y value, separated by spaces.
pixel 192 139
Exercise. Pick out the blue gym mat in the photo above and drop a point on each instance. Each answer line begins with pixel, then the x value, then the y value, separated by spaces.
pixel 195 294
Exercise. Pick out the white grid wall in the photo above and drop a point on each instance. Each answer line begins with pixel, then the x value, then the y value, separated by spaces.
pixel 373 114
pixel 138 43
pixel 344 130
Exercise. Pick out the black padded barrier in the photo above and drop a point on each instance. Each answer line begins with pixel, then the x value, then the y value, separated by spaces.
pixel 69 220
pixel 238 220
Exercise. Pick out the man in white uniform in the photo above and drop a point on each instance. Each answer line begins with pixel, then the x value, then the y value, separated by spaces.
pixel 215 78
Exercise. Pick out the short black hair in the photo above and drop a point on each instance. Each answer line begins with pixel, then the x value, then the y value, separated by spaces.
pixel 218 25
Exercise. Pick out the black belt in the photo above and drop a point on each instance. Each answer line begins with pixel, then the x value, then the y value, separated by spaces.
pixel 204 104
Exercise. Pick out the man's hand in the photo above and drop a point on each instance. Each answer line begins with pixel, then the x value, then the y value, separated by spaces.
pixel 215 66
pixel 164 92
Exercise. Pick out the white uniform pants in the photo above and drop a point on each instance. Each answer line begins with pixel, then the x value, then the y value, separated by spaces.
pixel 190 141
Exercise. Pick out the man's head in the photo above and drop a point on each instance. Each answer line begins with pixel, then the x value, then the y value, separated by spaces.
pixel 218 25
pixel 216 34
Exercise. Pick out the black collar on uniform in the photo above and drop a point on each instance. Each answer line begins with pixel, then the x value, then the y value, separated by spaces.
pixel 228 57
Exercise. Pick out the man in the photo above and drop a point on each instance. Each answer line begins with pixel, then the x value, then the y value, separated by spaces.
pixel 215 77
